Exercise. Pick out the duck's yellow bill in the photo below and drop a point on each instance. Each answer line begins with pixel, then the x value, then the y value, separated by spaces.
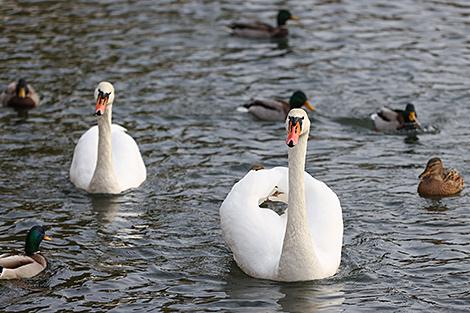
pixel 412 116
pixel 309 106
pixel 47 238
pixel 295 18
pixel 21 92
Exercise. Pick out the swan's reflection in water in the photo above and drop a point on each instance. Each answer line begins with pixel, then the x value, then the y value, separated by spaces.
pixel 311 296
pixel 106 207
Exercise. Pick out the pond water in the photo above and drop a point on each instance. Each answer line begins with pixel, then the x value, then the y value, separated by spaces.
pixel 179 78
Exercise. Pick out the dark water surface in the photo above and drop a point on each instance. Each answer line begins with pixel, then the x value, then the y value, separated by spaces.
pixel 179 78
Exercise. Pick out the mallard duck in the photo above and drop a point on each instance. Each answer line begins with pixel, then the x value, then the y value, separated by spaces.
pixel 259 29
pixel 20 96
pixel 30 264
pixel 275 109
pixel 436 181
pixel 387 119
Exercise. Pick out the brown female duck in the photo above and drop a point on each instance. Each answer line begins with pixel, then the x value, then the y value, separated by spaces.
pixel 19 96
pixel 28 265
pixel 436 181
pixel 259 29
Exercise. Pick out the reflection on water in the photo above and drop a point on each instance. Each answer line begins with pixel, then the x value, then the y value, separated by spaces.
pixel 282 43
pixel 436 206
pixel 311 297
pixel 106 207
pixel 291 297
pixel 411 138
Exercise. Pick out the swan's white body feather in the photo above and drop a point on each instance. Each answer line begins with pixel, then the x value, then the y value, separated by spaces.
pixel 255 235
pixel 128 164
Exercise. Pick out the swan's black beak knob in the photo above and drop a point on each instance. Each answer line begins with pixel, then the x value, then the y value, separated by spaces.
pixel 98 113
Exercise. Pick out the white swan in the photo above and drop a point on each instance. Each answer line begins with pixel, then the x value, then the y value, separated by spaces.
pixel 302 244
pixel 106 159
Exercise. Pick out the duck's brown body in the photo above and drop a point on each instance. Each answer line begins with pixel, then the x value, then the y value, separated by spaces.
pixel 258 29
pixel 276 109
pixel 268 109
pixel 436 181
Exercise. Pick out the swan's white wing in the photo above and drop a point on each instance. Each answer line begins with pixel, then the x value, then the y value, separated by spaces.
pixel 254 235
pixel 84 158
pixel 128 163
pixel 326 223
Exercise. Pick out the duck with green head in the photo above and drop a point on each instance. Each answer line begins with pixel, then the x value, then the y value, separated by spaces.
pixel 389 120
pixel 259 29
pixel 31 263
pixel 276 109
pixel 20 96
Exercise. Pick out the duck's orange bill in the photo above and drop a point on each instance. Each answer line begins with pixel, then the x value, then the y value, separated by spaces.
pixel 21 92
pixel 412 116
pixel 293 134
pixel 101 105
pixel 47 238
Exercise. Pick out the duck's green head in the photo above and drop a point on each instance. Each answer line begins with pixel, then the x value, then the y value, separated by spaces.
pixel 283 16
pixel 298 100
pixel 33 239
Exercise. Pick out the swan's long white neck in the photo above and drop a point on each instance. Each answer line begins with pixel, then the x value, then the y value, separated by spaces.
pixel 104 178
pixel 298 258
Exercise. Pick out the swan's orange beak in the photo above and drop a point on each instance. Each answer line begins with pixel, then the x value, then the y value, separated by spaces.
pixel 101 105
pixel 293 132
